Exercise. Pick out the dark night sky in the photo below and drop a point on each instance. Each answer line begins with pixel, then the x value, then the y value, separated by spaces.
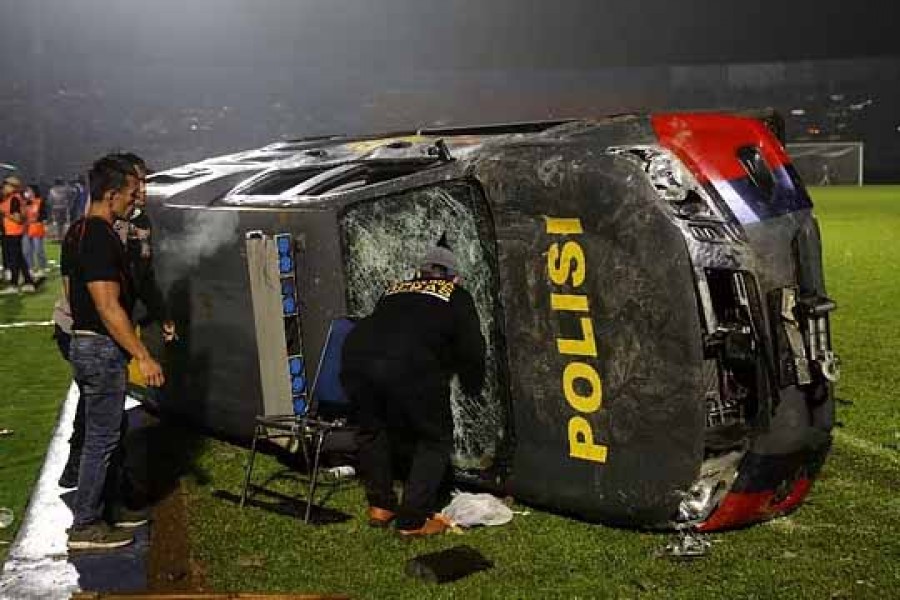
pixel 342 63
pixel 452 33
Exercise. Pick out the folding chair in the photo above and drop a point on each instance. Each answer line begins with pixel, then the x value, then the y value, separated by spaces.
pixel 308 428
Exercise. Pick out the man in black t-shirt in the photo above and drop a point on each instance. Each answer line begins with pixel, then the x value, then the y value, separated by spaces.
pixel 397 364
pixel 101 296
pixel 135 235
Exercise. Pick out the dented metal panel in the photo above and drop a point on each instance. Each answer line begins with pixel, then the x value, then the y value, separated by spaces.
pixel 625 271
pixel 622 255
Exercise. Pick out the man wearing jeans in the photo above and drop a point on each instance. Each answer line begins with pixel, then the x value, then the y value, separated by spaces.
pixel 35 231
pixel 103 338
pixel 135 233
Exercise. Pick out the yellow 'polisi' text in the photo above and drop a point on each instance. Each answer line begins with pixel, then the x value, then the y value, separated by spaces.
pixel 581 383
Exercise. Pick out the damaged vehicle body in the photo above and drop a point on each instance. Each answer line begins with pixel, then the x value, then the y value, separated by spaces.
pixel 650 289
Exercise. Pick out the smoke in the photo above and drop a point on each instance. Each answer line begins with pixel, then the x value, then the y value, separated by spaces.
pixel 203 234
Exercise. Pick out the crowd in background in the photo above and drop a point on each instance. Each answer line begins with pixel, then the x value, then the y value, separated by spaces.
pixel 27 219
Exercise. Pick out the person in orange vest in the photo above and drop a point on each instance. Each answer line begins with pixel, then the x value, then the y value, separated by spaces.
pixel 35 231
pixel 12 207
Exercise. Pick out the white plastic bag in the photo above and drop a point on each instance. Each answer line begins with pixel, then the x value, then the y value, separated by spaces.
pixel 469 510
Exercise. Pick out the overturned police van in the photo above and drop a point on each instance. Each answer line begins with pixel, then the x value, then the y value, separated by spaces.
pixel 650 289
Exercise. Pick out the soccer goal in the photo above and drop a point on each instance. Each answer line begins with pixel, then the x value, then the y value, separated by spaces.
pixel 828 163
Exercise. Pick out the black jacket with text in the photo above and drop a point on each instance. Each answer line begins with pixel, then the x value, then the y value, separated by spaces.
pixel 430 327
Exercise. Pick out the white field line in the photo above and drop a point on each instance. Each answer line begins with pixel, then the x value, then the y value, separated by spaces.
pixel 26 324
pixel 868 447
pixel 37 566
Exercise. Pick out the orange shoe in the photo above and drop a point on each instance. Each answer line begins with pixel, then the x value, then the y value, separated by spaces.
pixel 436 525
pixel 380 517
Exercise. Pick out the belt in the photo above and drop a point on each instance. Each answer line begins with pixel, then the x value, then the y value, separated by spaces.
pixel 85 332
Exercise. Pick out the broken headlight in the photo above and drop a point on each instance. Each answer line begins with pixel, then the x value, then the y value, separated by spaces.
pixel 716 477
pixel 665 171
pixel 668 177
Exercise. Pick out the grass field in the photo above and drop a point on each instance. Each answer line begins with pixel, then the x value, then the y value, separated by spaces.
pixel 33 383
pixel 842 543
pixel 861 235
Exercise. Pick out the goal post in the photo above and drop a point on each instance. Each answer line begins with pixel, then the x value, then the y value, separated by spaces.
pixel 828 163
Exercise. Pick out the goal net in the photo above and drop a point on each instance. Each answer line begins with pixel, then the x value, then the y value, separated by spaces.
pixel 828 163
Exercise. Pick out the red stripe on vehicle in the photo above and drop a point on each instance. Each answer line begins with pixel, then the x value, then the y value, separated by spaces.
pixel 801 489
pixel 708 143
pixel 739 508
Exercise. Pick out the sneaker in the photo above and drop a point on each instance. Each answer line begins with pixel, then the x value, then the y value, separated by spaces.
pixel 129 518
pixel 9 291
pixel 380 517
pixel 28 288
pixel 98 536
pixel 436 525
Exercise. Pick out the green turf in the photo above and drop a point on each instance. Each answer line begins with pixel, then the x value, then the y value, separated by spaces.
pixel 33 383
pixel 841 544
pixel 34 307
pixel 861 236
pixel 842 536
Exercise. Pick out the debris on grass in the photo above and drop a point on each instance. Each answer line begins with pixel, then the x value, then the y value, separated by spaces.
pixel 785 525
pixel 6 517
pixel 687 545
pixel 251 561
pixel 447 565
pixel 177 576
pixel 470 510
pixel 642 586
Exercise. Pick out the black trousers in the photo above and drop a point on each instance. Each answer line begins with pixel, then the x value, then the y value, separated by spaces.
pixel 401 413
pixel 15 258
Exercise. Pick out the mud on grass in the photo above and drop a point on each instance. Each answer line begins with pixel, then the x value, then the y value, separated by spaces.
pixel 170 567
pixel 161 457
